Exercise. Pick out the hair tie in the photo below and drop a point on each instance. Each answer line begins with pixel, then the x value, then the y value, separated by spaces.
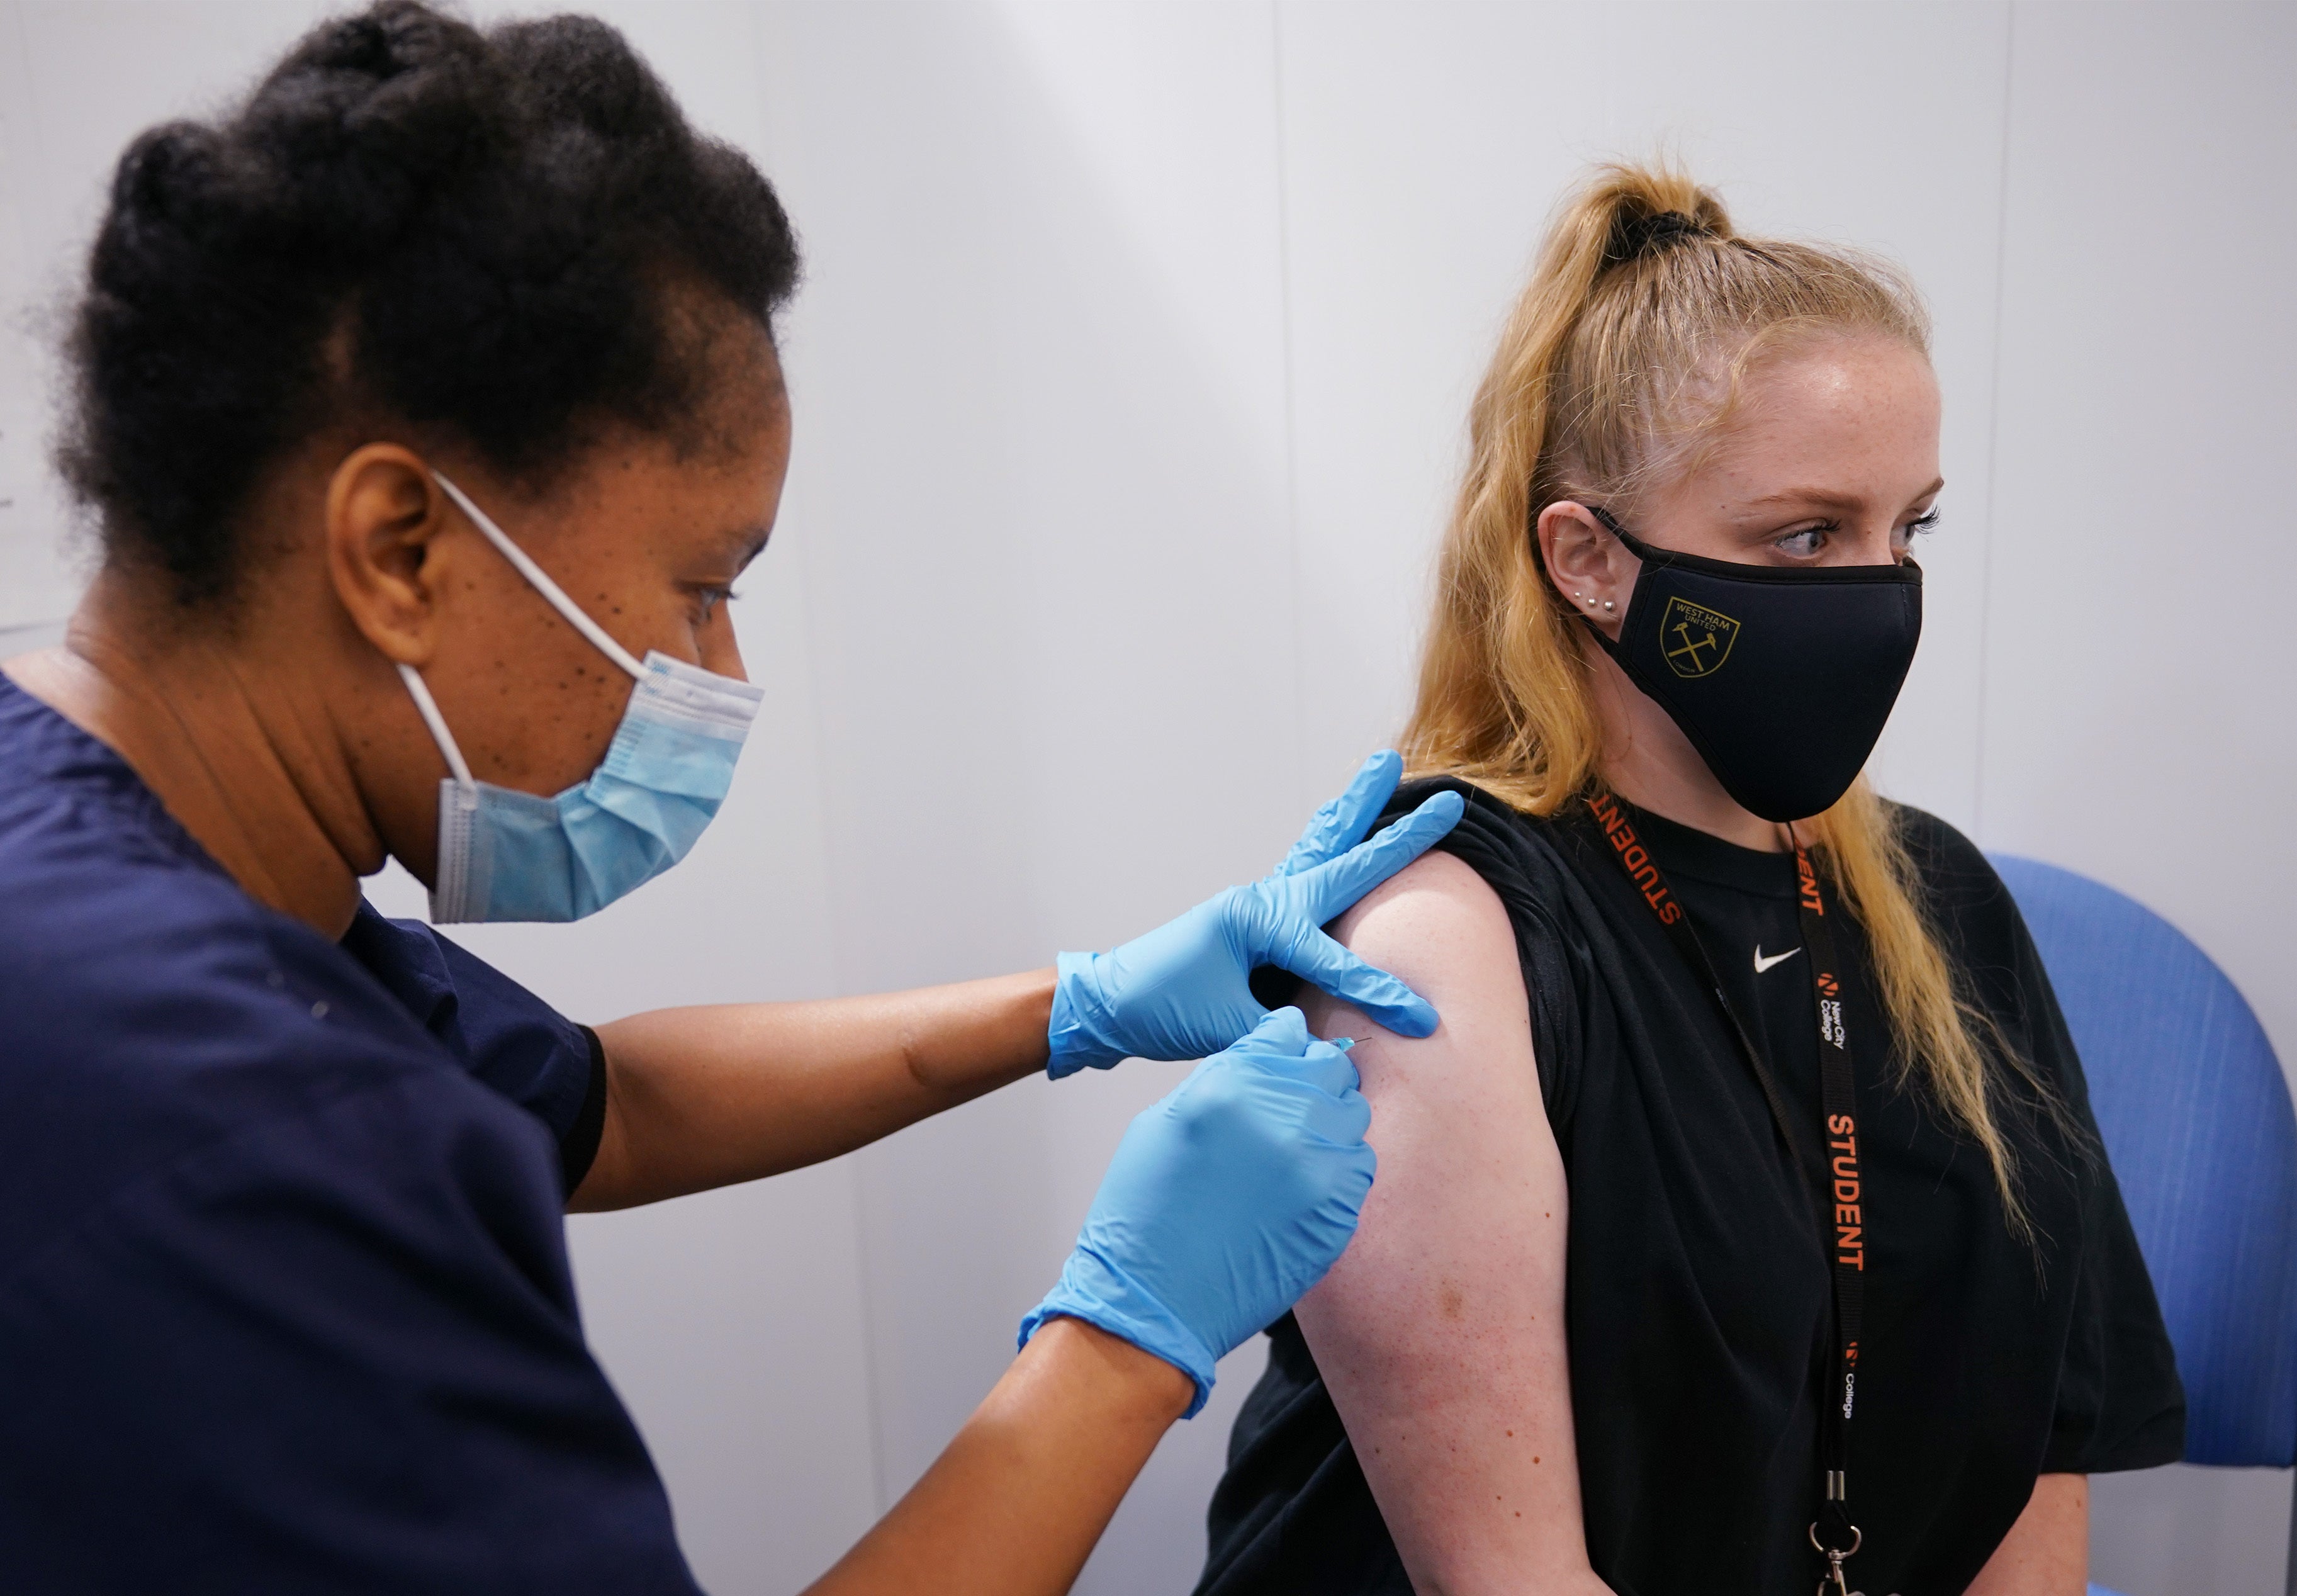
pixel 1634 236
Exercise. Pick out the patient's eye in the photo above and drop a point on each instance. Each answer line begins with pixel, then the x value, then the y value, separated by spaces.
pixel 1804 542
pixel 1904 537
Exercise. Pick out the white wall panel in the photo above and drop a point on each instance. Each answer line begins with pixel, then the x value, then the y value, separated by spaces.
pixel 35 577
pixel 2137 727
pixel 2186 1531
pixel 79 78
pixel 1419 161
pixel 2138 720
pixel 1039 480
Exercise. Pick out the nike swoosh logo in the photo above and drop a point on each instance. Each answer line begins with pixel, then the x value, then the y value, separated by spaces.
pixel 1762 964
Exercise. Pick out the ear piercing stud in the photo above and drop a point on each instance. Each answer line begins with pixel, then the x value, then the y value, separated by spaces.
pixel 1609 605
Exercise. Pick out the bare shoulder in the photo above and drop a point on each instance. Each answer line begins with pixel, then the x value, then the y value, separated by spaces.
pixel 1438 926
pixel 1429 913
pixel 1446 933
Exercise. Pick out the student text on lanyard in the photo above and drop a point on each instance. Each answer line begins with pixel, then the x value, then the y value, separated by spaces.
pixel 1842 1219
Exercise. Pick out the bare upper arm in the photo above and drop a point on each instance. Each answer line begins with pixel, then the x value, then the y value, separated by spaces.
pixel 1440 1332
pixel 2046 1552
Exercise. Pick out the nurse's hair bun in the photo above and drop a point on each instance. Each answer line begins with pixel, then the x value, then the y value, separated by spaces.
pixel 484 234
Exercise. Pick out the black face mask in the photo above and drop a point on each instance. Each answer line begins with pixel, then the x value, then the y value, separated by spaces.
pixel 1780 676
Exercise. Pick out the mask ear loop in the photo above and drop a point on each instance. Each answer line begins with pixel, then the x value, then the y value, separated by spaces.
pixel 450 895
pixel 1649 558
pixel 437 722
pixel 541 582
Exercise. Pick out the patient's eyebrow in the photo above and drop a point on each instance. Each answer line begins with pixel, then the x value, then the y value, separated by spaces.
pixel 1828 498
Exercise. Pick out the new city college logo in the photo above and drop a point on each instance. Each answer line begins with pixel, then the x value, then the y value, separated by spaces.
pixel 1695 639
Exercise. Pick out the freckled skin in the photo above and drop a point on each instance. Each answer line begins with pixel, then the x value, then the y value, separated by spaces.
pixel 280 733
pixel 647 533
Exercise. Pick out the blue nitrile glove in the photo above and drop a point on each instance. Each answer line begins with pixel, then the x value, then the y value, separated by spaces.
pixel 1225 1202
pixel 1183 991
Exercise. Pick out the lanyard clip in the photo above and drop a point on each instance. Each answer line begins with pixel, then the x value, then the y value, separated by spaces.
pixel 1834 1581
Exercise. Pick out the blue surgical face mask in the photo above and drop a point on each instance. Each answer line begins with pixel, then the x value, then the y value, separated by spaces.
pixel 506 855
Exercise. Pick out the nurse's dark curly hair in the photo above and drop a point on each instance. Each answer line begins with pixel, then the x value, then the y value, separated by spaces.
pixel 479 234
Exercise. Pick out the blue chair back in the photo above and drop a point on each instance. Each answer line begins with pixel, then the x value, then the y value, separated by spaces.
pixel 2198 1124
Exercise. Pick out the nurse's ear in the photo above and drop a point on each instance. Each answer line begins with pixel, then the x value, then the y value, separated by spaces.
pixel 384 515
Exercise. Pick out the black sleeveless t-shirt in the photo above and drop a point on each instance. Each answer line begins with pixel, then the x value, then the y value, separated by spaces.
pixel 1699 1300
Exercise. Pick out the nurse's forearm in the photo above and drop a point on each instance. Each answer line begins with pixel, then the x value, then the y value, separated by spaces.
pixel 1016 1504
pixel 701 1097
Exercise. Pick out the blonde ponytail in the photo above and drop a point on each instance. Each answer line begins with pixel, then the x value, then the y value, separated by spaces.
pixel 1622 357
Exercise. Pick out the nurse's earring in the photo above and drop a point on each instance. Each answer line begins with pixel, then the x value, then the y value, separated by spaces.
pixel 1583 598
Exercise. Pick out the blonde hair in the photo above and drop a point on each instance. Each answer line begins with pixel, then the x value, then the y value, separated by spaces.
pixel 1622 359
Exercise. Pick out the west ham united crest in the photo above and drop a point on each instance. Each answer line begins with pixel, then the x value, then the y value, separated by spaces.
pixel 1695 639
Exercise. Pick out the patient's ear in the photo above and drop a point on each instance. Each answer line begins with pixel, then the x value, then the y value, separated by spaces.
pixel 1588 566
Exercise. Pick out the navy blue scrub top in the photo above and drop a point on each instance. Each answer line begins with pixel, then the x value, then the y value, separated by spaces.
pixel 285 1300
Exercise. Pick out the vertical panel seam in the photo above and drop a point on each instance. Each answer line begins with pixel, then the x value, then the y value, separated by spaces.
pixel 1291 414
pixel 1994 525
